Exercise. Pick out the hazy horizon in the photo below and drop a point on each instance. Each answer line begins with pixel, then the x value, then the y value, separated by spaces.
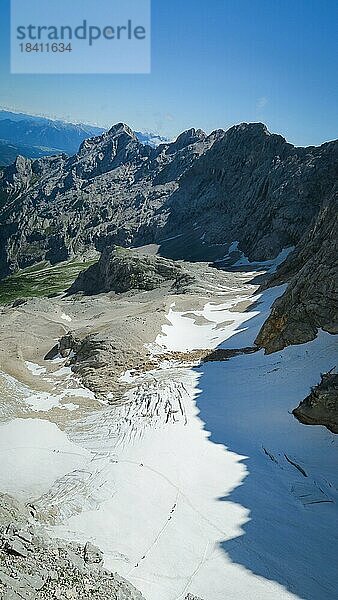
pixel 212 67
pixel 143 130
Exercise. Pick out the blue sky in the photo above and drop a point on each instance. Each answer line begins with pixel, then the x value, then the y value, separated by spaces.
pixel 214 64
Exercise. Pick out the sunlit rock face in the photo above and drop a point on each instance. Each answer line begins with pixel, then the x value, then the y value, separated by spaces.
pixel 320 407
pixel 310 301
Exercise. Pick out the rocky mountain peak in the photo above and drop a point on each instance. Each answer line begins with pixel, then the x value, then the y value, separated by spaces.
pixel 257 127
pixel 105 152
pixel 20 165
pixel 119 131
pixel 19 173
pixel 121 128
pixel 191 136
pixel 246 132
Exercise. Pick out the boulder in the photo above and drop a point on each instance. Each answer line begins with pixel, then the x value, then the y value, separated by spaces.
pixel 320 407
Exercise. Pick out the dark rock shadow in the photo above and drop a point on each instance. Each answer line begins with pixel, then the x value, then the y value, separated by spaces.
pixel 245 404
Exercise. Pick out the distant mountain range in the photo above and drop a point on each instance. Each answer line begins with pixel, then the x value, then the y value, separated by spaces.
pixel 33 136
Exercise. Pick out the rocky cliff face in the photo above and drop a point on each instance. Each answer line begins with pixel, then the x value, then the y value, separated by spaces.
pixel 254 187
pixel 310 301
pixel 243 184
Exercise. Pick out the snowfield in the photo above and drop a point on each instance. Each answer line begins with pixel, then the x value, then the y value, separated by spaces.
pixel 202 482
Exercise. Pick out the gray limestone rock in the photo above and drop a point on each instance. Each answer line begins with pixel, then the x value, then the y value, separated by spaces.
pixel 92 554
pixel 310 301
pixel 34 566
pixel 198 193
pixel 121 270
pixel 320 407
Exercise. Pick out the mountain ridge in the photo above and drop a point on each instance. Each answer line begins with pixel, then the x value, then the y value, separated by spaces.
pixel 243 183
pixel 34 136
pixel 190 199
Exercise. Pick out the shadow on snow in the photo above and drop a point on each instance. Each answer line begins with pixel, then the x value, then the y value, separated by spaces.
pixel 289 489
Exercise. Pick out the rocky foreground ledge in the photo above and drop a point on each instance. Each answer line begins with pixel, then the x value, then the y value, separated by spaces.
pixel 34 566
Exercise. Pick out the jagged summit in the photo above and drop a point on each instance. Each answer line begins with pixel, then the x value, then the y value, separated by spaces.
pixel 202 190
pixel 254 131
pixel 116 131
pixel 249 131
pixel 18 173
pixel 191 136
pixel 120 128
pixel 253 127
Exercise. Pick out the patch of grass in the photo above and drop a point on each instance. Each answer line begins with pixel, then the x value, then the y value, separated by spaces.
pixel 41 280
pixel 120 251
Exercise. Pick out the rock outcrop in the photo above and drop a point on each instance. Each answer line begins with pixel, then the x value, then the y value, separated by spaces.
pixel 96 359
pixel 119 270
pixel 310 301
pixel 320 407
pixel 205 191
